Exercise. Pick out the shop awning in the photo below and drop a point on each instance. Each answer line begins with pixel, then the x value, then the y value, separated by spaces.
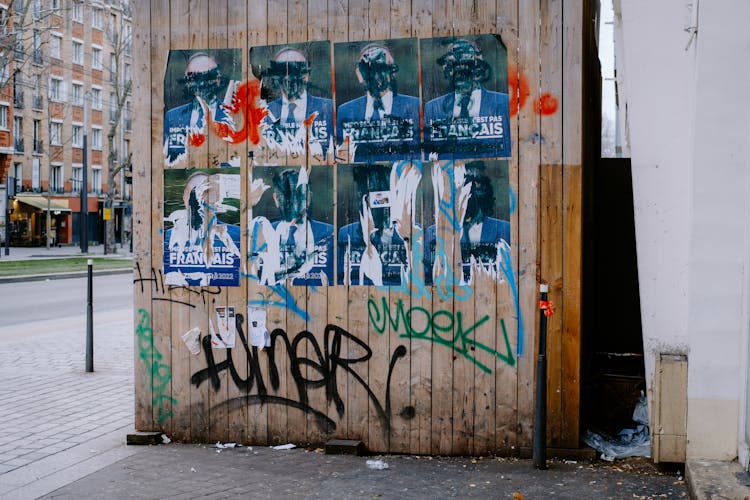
pixel 41 203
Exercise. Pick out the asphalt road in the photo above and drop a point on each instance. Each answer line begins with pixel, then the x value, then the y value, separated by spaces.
pixel 62 298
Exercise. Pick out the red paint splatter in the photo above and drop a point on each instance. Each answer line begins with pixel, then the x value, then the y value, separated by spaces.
pixel 255 112
pixel 310 119
pixel 196 140
pixel 546 104
pixel 518 87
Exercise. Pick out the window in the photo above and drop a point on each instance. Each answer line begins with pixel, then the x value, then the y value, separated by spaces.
pixel 77 52
pixel 96 138
pixel 96 17
pixel 113 29
pixel 112 107
pixel 77 178
pixel 5 72
pixel 37 134
pixel 55 44
pixel 96 98
pixel 18 89
pixel 55 133
pixel 126 73
pixel 96 179
pixel 36 45
pixel 56 89
pixel 77 136
pixel 18 133
pixel 96 58
pixel 56 178
pixel 4 116
pixel 36 101
pixel 18 174
pixel 112 68
pixel 77 94
pixel 128 120
pixel 127 43
pixel 18 51
pixel 36 9
pixel 78 11
pixel 55 4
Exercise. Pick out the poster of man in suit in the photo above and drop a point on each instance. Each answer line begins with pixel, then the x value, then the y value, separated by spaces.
pixel 465 96
pixel 291 233
pixel 467 202
pixel 202 226
pixel 377 215
pixel 377 89
pixel 296 89
pixel 199 87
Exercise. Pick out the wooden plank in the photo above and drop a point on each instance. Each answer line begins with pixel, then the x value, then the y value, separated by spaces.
pixel 572 277
pixel 200 402
pixel 317 20
pixel 401 19
pixel 338 306
pixel 297 20
pixel 528 185
pixel 141 232
pixel 572 99
pixel 217 151
pixel 257 414
pixel 484 20
pixel 551 215
pixel 162 328
pixel 420 353
pixel 507 330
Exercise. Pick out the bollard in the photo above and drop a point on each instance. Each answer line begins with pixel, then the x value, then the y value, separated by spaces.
pixel 539 452
pixel 90 320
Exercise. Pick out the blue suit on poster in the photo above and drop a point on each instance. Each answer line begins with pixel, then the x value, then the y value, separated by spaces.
pixel 493 230
pixel 396 138
pixel 323 237
pixel 178 121
pixel 189 260
pixel 321 130
pixel 392 254
pixel 481 136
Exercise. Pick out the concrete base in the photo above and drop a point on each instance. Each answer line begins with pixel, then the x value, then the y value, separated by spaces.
pixel 144 438
pixel 713 479
pixel 345 447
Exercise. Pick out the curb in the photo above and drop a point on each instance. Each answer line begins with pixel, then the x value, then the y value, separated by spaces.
pixel 59 276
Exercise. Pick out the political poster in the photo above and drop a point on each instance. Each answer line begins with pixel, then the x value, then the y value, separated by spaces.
pixel 465 97
pixel 291 232
pixel 202 226
pixel 377 100
pixel 296 98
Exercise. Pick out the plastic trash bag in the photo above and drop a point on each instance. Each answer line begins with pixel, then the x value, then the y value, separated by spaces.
pixel 630 442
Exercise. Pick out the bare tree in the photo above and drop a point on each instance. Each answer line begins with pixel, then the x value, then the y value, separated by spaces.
pixel 117 161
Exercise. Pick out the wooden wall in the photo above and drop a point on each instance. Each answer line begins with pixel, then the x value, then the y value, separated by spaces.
pixel 436 400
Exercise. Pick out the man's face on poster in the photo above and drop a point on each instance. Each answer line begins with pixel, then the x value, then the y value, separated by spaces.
pixel 291 197
pixel 464 67
pixel 290 73
pixel 203 78
pixel 376 70
pixel 482 197
pixel 370 182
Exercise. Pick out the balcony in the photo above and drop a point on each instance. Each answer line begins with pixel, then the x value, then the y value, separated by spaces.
pixel 38 147
pixel 18 145
pixel 128 124
pixel 36 102
pixel 18 99
pixel 19 53
pixel 37 57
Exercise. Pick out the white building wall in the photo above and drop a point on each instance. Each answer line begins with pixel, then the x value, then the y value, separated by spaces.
pixel 687 104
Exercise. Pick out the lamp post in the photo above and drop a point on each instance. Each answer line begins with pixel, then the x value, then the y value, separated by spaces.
pixel 84 181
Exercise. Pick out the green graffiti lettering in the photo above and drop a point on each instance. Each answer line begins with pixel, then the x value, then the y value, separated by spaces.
pixel 437 325
pixel 160 374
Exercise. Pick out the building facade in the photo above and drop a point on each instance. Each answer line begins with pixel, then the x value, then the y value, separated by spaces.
pixel 68 84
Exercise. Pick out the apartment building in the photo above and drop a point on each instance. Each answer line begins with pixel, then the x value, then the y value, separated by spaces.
pixel 68 85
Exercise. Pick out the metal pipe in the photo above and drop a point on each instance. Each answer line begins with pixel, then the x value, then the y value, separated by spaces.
pixel 90 319
pixel 539 453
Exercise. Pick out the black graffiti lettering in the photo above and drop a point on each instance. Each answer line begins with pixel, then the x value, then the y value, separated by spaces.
pixel 319 368
pixel 161 291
